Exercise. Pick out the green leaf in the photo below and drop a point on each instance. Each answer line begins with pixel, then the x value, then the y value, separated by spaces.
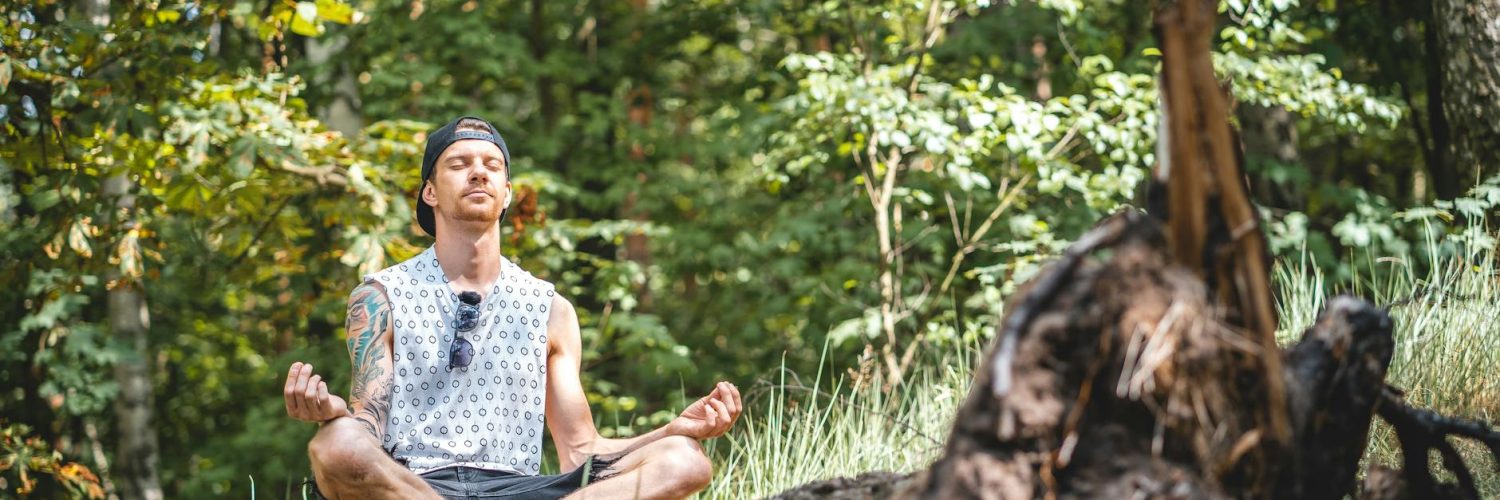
pixel 304 27
pixel 45 199
pixel 305 20
pixel 242 157
pixel 335 11
pixel 78 238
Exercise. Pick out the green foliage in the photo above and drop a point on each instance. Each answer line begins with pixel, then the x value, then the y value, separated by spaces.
pixel 30 467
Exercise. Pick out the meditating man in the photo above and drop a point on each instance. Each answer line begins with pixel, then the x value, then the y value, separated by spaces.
pixel 459 357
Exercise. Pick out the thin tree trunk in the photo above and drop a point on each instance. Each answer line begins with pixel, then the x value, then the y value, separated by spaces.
pixel 537 37
pixel 880 200
pixel 1468 35
pixel 1439 162
pixel 641 106
pixel 136 459
pixel 1270 135
pixel 341 112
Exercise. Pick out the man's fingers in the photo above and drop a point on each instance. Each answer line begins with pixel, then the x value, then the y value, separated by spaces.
pixel 731 397
pixel 323 402
pixel 300 390
pixel 724 415
pixel 290 388
pixel 293 393
pixel 739 404
pixel 310 401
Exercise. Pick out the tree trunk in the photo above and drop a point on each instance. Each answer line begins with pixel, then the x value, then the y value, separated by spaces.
pixel 136 459
pixel 640 104
pixel 341 112
pixel 1270 137
pixel 1468 35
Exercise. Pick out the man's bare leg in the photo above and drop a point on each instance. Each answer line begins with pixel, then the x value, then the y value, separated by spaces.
pixel 670 467
pixel 348 464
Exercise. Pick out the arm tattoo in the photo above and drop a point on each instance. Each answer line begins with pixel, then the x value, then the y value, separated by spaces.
pixel 369 332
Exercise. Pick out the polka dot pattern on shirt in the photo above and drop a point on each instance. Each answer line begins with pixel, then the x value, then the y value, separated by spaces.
pixel 488 414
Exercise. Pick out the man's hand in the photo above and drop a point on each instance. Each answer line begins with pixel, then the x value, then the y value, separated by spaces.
pixel 710 416
pixel 307 396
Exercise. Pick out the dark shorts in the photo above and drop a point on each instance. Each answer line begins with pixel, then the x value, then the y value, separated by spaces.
pixel 464 483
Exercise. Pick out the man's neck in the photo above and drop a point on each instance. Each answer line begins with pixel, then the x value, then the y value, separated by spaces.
pixel 470 259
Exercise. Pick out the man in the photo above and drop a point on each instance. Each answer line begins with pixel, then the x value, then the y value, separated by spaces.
pixel 459 357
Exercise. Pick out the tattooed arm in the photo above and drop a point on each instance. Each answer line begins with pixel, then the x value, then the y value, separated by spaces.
pixel 369 332
pixel 368 328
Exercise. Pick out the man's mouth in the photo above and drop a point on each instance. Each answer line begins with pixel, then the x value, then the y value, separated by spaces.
pixel 477 191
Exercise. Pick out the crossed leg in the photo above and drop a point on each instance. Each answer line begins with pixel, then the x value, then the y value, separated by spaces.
pixel 347 463
pixel 670 467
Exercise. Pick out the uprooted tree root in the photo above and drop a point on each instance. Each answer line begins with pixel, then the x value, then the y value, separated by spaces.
pixel 1114 377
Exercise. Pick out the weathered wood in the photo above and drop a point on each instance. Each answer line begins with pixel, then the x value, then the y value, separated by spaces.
pixel 1211 224
pixel 1334 376
pixel 1111 375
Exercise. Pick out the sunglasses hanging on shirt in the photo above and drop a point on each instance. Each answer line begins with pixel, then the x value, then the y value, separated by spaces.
pixel 461 352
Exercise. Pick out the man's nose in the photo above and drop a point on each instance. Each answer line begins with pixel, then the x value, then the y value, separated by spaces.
pixel 477 174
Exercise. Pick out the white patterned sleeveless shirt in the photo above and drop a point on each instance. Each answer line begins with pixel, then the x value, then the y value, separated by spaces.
pixel 489 414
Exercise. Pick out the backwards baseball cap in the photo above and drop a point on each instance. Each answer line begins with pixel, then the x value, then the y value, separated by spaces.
pixel 437 142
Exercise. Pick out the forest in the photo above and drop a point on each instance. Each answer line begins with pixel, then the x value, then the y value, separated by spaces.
pixel 830 203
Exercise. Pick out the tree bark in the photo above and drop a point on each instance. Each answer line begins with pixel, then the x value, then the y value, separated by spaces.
pixel 137 458
pixel 1468 35
pixel 640 104
pixel 1269 134
pixel 342 111
pixel 138 454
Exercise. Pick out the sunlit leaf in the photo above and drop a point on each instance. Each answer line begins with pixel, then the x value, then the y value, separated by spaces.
pixel 78 238
pixel 335 11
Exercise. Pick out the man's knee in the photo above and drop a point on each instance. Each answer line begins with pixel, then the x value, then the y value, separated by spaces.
pixel 342 452
pixel 686 463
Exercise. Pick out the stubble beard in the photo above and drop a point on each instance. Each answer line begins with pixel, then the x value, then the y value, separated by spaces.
pixel 478 212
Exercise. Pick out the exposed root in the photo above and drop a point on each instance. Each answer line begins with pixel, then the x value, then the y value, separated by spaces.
pixel 1420 431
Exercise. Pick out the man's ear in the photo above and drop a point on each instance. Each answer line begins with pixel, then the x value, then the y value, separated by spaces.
pixel 510 193
pixel 429 193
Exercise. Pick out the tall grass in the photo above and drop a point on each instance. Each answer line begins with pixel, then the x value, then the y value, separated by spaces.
pixel 1446 308
pixel 797 433
pixel 1447 328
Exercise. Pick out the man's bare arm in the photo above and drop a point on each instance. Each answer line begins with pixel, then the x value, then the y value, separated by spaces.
pixel 369 332
pixel 572 423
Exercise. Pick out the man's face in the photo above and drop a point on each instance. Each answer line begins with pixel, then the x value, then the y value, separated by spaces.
pixel 468 182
